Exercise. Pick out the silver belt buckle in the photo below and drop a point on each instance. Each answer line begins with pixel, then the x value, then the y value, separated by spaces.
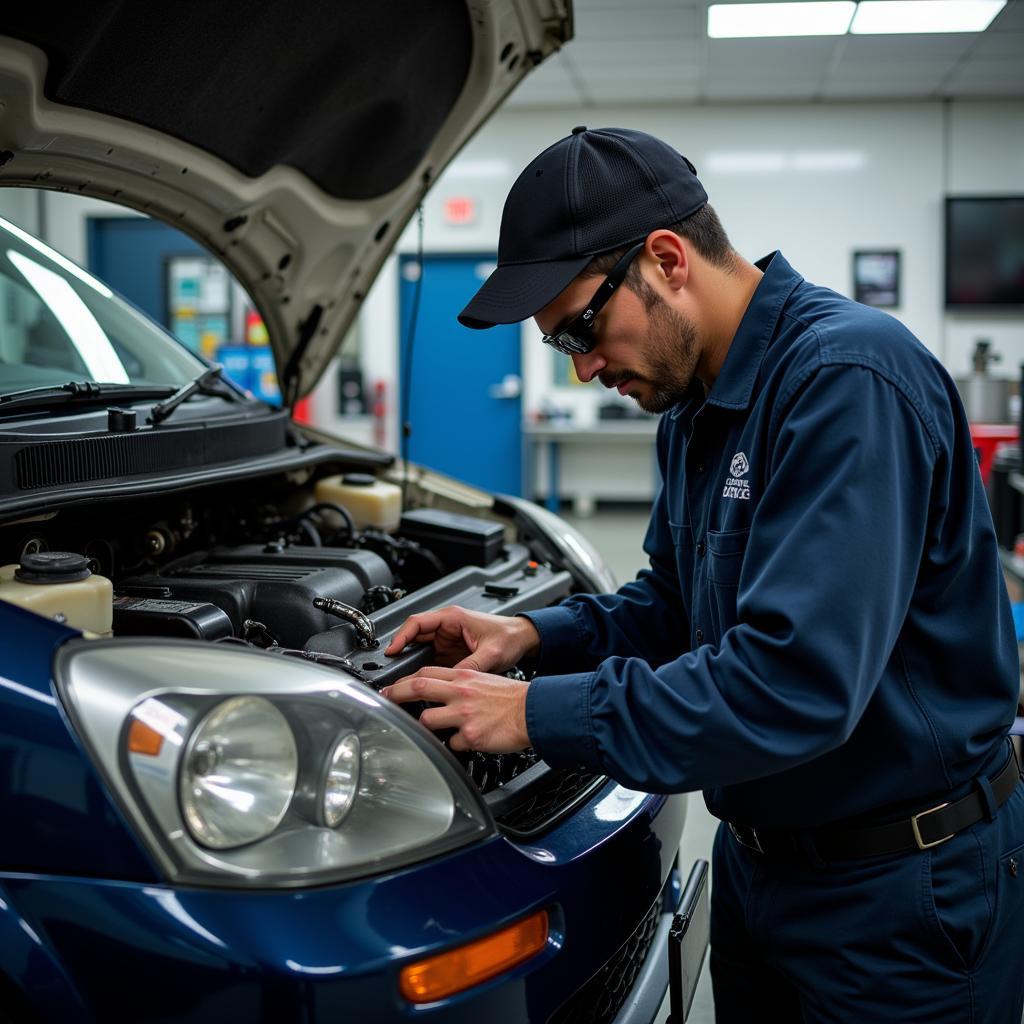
pixel 921 844
pixel 747 836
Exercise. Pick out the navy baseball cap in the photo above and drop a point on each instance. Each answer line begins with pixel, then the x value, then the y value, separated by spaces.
pixel 595 190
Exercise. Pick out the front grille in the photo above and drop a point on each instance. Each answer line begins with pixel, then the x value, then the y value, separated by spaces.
pixel 541 797
pixel 602 997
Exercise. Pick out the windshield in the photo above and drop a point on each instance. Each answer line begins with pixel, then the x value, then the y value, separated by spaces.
pixel 58 323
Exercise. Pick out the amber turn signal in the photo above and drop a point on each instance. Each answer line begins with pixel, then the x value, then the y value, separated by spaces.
pixel 144 739
pixel 458 969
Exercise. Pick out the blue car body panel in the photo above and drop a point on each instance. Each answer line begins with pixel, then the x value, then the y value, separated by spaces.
pixel 58 816
pixel 89 931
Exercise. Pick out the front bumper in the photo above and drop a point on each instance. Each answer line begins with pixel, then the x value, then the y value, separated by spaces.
pixel 119 951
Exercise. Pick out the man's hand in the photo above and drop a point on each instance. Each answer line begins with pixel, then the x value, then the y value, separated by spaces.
pixel 471 640
pixel 488 711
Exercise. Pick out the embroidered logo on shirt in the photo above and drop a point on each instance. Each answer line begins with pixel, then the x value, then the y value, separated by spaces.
pixel 735 487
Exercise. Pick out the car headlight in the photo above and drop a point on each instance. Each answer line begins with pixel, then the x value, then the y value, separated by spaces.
pixel 342 780
pixel 238 767
pixel 238 773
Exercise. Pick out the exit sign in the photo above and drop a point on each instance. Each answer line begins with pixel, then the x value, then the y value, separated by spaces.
pixel 459 210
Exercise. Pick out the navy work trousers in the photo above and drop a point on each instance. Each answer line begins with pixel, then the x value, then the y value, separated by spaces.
pixel 926 936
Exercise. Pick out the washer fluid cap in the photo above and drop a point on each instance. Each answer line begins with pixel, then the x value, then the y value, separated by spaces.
pixel 359 479
pixel 53 567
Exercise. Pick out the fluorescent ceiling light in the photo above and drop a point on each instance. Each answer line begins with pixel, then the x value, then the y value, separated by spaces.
pixel 811 18
pixel 877 17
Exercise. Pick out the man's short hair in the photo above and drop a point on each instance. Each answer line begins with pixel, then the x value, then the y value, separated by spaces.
pixel 703 230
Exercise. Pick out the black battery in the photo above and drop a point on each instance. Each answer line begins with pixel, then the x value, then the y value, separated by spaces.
pixel 456 540
pixel 158 616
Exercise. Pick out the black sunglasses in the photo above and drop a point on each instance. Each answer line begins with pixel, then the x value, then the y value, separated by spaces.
pixel 577 337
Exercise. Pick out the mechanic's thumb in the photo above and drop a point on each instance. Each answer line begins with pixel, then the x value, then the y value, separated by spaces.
pixel 483 659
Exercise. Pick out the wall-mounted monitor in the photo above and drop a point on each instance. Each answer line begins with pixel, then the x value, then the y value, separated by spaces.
pixel 984 252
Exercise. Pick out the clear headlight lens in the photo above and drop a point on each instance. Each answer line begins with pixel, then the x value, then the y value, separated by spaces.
pixel 341 780
pixel 265 770
pixel 238 773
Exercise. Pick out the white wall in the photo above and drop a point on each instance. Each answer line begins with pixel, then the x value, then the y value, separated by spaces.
pixel 816 180
pixel 21 206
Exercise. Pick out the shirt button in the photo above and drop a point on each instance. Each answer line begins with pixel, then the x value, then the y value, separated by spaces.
pixel 699 636
pixel 699 467
pixel 701 549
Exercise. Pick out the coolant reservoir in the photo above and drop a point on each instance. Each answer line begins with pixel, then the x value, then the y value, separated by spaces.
pixel 371 502
pixel 59 583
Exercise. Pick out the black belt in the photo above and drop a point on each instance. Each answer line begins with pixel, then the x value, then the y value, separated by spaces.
pixel 918 832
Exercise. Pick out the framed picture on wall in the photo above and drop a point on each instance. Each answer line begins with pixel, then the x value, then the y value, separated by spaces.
pixel 876 277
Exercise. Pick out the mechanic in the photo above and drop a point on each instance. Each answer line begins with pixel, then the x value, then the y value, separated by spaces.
pixel 823 642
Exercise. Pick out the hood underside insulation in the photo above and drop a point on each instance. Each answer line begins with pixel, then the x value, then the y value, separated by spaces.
pixel 350 93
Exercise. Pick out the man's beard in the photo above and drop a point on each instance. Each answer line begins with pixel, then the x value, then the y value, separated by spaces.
pixel 671 360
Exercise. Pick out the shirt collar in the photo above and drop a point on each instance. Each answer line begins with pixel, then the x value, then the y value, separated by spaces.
pixel 735 383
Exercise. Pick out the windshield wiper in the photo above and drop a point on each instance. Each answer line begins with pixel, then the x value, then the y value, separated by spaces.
pixel 207 383
pixel 79 391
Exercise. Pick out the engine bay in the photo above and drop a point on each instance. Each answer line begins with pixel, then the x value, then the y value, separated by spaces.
pixel 265 565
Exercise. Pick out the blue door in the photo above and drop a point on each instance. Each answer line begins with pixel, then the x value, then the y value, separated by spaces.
pixel 466 407
pixel 180 285
pixel 128 253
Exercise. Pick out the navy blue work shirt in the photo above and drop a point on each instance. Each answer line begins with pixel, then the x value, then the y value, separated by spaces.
pixel 824 630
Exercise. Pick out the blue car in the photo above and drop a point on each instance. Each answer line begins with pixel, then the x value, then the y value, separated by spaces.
pixel 209 812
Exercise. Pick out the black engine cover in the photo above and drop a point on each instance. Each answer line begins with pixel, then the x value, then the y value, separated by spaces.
pixel 272 584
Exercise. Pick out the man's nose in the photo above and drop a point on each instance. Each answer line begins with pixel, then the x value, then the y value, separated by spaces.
pixel 587 365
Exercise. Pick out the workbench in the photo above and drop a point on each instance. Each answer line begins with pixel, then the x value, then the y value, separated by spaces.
pixel 612 459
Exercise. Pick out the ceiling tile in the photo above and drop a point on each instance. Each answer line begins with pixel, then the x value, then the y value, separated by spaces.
pixel 771 51
pixel 793 89
pixel 983 87
pixel 581 7
pixel 1006 69
pixel 655 52
pixel 640 23
pixel 632 54
pixel 907 47
pixel 880 88
pixel 1010 17
pixel 1000 44
pixel 925 70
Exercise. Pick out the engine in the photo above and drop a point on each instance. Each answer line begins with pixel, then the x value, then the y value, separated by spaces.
pixel 273 591
pixel 304 584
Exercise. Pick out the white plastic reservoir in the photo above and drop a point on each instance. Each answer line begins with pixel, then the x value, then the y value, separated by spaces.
pixel 370 501
pixel 58 584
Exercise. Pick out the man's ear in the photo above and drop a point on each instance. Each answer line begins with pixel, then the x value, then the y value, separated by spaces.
pixel 669 251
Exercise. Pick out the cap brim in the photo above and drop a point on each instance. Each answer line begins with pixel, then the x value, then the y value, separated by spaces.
pixel 518 290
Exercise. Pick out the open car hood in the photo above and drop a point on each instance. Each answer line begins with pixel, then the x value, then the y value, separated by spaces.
pixel 293 140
